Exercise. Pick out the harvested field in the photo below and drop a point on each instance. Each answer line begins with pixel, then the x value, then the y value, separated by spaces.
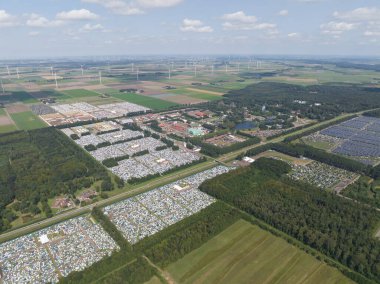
pixel 244 252
pixel 181 99
pixel 16 108
pixel 5 120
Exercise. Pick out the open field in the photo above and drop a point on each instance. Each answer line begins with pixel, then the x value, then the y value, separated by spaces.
pixel 147 101
pixel 2 111
pixel 17 96
pixel 243 253
pixel 27 120
pixel 283 157
pixel 7 128
pixel 80 93
pixel 198 94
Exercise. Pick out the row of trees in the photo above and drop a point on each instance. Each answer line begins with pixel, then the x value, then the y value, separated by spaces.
pixel 339 228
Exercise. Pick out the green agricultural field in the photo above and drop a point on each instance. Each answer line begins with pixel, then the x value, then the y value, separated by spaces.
pixel 2 111
pixel 80 93
pixel 150 102
pixel 27 120
pixel 7 128
pixel 18 96
pixel 197 95
pixel 244 253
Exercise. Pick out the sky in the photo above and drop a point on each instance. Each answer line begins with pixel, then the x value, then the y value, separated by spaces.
pixel 56 28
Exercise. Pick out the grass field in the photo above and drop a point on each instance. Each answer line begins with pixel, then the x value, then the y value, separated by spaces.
pixel 2 111
pixel 80 93
pixel 244 253
pixel 27 120
pixel 150 102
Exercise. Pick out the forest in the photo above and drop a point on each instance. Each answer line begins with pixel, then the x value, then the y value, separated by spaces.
pixel 333 100
pixel 338 228
pixel 38 165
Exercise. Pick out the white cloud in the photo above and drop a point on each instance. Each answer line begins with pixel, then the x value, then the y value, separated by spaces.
pixel 133 7
pixel 159 3
pixel 293 35
pixel 240 21
pixel 38 21
pixel 364 14
pixel 372 33
pixel 117 6
pixel 189 25
pixel 76 15
pixel 7 20
pixel 34 33
pixel 337 28
pixel 283 13
pixel 90 28
pixel 239 16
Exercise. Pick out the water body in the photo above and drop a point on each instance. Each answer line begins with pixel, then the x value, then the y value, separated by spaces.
pixel 245 125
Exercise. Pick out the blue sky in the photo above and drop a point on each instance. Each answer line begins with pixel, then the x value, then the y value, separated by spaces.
pixel 38 28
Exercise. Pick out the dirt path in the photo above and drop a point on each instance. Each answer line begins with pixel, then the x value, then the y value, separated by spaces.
pixel 166 275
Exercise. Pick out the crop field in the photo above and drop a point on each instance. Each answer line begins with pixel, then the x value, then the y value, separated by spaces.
pixel 2 111
pixel 80 93
pixel 17 97
pixel 243 253
pixel 27 120
pixel 7 128
pixel 197 94
pixel 147 101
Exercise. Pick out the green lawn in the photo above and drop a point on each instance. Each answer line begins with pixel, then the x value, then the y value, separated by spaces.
pixel 80 93
pixel 27 120
pixel 244 253
pixel 146 101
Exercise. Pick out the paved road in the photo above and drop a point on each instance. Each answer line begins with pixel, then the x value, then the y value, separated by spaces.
pixel 148 186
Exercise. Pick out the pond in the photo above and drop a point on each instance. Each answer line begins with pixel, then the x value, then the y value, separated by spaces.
pixel 245 125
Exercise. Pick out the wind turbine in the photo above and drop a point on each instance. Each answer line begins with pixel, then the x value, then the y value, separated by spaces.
pixel 18 75
pixel 9 73
pixel 2 86
pixel 81 67
pixel 52 70
pixel 133 67
pixel 56 82
pixel 226 68
pixel 212 69
pixel 137 73
pixel 239 67
pixel 169 73
pixel 100 77
pixel 195 70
